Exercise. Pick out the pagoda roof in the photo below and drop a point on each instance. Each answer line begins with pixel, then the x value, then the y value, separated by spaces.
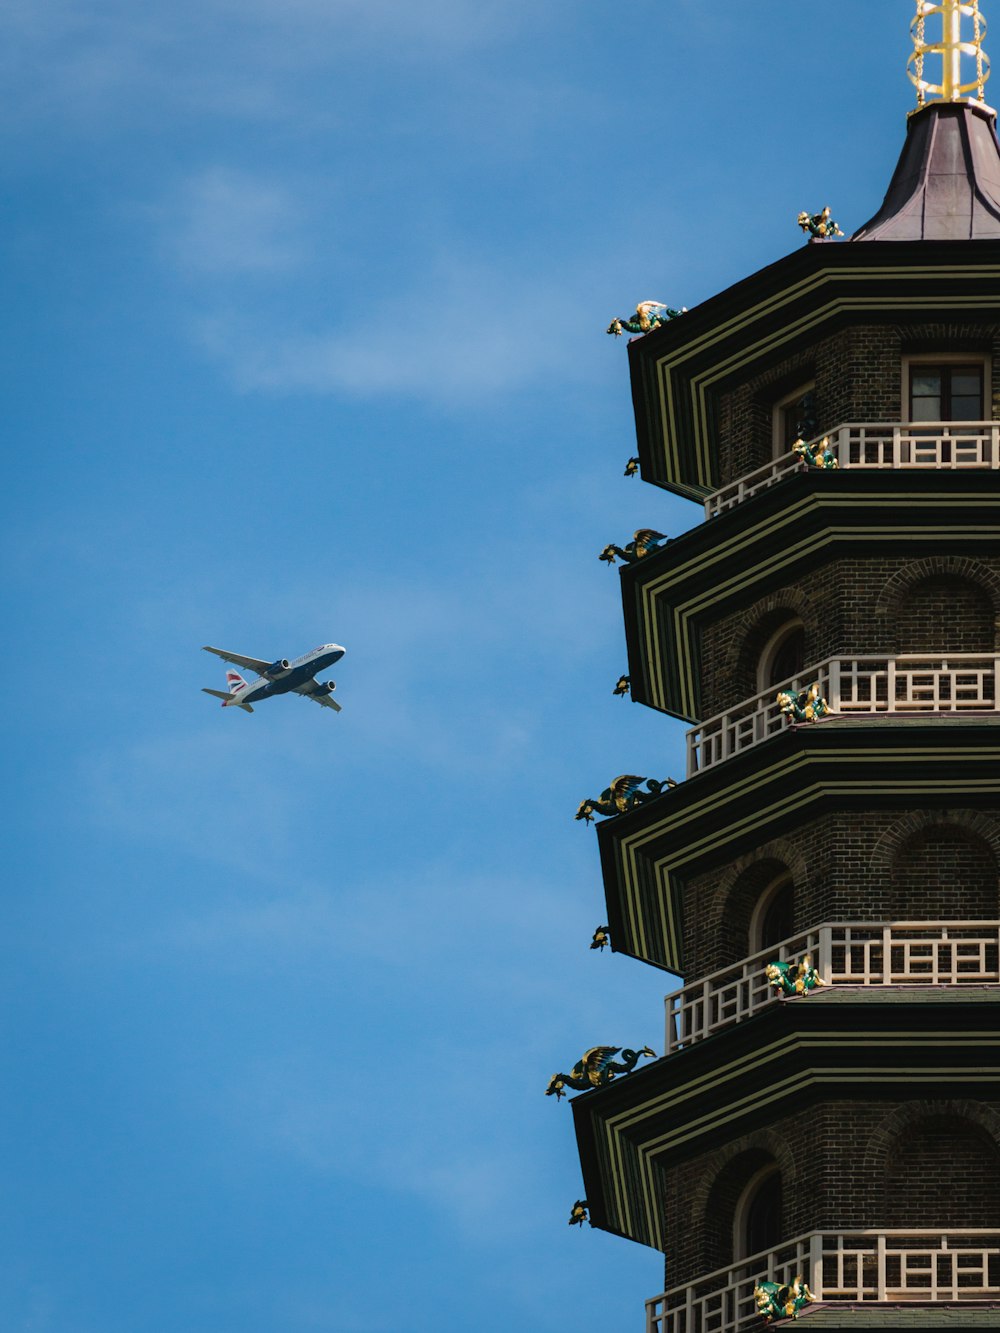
pixel 946 186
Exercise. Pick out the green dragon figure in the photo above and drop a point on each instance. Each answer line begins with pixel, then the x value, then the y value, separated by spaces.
pixel 776 1301
pixel 623 687
pixel 648 315
pixel 645 541
pixel 596 1068
pixel 600 940
pixel 819 225
pixel 578 1214
pixel 802 705
pixel 817 454
pixel 792 978
pixel 624 794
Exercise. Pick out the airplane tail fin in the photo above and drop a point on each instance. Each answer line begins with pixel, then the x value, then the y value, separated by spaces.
pixel 232 695
pixel 237 685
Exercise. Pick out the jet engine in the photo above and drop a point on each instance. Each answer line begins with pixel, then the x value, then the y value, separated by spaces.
pixel 326 687
pixel 277 669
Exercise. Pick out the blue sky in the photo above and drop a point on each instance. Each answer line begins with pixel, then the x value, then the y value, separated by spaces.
pixel 303 341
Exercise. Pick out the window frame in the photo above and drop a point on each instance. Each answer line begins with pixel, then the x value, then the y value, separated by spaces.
pixel 914 360
pixel 778 408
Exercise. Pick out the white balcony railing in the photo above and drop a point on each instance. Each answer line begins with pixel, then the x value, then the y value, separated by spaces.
pixel 920 1266
pixel 917 683
pixel 931 446
pixel 899 953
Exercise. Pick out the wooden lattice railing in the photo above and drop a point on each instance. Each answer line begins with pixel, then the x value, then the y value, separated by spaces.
pixel 914 683
pixel 898 953
pixel 930 446
pixel 919 1266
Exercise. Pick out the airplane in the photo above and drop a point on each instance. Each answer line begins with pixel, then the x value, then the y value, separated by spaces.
pixel 280 677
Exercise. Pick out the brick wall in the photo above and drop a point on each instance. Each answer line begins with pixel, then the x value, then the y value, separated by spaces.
pixel 846 1163
pixel 858 377
pixel 859 606
pixel 860 866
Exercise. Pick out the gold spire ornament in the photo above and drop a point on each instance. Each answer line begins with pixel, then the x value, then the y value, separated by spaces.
pixel 951 45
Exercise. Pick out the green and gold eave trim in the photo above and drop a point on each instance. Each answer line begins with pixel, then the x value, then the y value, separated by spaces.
pixel 840 763
pixel 779 539
pixel 793 1055
pixel 679 368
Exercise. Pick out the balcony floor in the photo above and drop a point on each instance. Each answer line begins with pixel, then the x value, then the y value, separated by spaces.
pixel 858 1316
pixel 899 994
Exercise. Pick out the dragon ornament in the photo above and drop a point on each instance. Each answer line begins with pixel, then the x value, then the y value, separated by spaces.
pixel 820 226
pixel 648 315
pixel 623 687
pixel 817 454
pixel 578 1214
pixel 793 978
pixel 601 938
pixel 774 1300
pixel 631 467
pixel 644 542
pixel 802 705
pixel 596 1068
pixel 624 794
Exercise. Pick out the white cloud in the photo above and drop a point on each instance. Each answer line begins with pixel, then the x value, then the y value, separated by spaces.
pixel 223 222
pixel 464 330
pixel 82 64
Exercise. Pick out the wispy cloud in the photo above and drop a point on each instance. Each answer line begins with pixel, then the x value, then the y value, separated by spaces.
pixel 464 329
pixel 80 65
pixel 226 223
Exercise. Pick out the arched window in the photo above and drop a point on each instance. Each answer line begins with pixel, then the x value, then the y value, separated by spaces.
pixel 742 1212
pixel 757 1221
pixel 783 656
pixel 773 918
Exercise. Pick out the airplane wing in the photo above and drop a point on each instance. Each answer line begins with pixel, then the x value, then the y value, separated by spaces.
pixel 249 663
pixel 310 691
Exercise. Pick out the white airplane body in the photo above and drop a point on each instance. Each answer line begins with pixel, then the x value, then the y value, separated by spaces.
pixel 280 677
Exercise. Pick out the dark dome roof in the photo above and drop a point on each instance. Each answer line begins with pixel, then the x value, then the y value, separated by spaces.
pixel 946 186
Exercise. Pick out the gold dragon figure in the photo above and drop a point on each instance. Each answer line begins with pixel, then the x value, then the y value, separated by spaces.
pixel 648 315
pixel 644 542
pixel 624 794
pixel 596 1068
pixel 802 705
pixel 777 1300
pixel 820 226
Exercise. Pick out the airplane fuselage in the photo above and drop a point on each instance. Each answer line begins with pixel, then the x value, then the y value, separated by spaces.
pixel 298 672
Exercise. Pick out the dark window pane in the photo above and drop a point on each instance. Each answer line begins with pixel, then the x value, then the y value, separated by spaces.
pixel 789 657
pixel 966 409
pixel 763 1217
pixel 779 916
pixel 790 426
pixel 946 393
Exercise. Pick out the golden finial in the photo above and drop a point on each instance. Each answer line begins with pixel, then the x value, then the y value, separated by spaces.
pixel 951 48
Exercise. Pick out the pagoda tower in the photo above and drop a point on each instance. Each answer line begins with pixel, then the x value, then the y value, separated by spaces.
pixel 831 633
